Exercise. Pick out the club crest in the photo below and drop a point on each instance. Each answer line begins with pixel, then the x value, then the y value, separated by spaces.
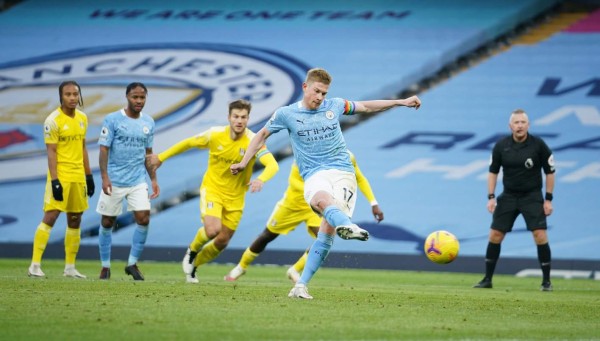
pixel 189 86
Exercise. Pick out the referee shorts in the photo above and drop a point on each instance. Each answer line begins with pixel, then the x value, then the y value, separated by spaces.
pixel 510 205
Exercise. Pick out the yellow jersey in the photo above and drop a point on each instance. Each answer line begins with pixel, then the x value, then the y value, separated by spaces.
pixel 222 153
pixel 362 182
pixel 293 198
pixel 68 133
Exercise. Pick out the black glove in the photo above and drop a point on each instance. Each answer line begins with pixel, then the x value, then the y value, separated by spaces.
pixel 57 190
pixel 89 182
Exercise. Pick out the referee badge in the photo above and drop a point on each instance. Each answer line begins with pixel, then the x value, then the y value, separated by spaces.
pixel 528 163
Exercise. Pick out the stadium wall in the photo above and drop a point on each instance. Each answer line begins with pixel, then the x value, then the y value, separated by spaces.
pixel 428 168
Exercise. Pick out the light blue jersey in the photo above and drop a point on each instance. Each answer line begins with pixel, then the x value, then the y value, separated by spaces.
pixel 127 139
pixel 316 135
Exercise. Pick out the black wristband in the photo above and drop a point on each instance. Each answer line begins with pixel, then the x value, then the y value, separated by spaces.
pixel 491 196
pixel 549 196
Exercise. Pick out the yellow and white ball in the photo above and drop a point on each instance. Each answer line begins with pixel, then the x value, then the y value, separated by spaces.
pixel 441 247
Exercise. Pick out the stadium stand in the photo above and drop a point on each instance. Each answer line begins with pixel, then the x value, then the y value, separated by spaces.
pixel 427 168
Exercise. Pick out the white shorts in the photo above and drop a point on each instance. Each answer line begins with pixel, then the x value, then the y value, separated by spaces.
pixel 112 205
pixel 339 184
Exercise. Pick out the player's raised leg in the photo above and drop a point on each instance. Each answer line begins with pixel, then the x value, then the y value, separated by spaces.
pixel 327 192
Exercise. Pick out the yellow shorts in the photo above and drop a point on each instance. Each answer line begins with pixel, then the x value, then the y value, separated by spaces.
pixel 283 220
pixel 214 204
pixel 74 198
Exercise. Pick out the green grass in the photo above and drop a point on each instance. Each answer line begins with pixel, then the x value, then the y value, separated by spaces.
pixel 348 305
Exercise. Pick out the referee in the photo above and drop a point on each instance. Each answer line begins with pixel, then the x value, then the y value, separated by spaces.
pixel 521 156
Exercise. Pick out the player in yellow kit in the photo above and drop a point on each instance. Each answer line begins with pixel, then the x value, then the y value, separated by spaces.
pixel 69 178
pixel 222 195
pixel 291 211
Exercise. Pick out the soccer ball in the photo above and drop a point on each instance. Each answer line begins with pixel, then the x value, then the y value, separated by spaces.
pixel 441 247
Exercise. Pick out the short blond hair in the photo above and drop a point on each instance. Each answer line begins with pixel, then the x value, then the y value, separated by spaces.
pixel 517 112
pixel 318 75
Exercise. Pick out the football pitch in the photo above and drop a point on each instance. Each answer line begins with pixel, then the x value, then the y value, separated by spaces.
pixel 349 304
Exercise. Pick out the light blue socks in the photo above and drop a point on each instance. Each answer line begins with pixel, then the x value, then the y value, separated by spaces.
pixel 316 255
pixel 137 246
pixel 105 243
pixel 335 217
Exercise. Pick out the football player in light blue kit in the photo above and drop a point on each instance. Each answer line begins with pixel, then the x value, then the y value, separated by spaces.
pixel 125 140
pixel 321 154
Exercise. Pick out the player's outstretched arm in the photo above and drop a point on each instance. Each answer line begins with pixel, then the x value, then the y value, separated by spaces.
pixel 386 104
pixel 154 161
pixel 271 168
pixel 255 144
pixel 365 187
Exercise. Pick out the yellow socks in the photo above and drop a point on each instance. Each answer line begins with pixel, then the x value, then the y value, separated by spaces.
pixel 208 253
pixel 40 240
pixel 199 240
pixel 72 241
pixel 247 258
pixel 299 266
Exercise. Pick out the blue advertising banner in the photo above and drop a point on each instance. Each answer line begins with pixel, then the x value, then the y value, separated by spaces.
pixel 428 168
